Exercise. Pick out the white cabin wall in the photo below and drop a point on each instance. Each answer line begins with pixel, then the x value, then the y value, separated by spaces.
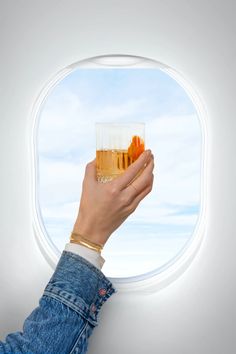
pixel 195 314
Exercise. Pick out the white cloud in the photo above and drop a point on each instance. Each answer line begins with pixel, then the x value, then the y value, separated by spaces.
pixel 176 170
pixel 122 112
pixel 60 181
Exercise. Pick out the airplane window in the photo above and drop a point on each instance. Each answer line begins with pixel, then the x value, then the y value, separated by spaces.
pixel 120 89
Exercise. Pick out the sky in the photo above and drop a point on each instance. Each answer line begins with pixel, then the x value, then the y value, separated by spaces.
pixel 165 220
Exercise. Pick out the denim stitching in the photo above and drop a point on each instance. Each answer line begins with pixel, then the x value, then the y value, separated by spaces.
pixel 79 336
pixel 71 306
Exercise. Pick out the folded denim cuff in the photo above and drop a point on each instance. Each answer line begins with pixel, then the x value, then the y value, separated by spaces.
pixel 81 286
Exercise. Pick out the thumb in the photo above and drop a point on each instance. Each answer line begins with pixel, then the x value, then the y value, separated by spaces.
pixel 90 170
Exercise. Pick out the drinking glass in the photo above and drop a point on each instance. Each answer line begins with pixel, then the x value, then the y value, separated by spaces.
pixel 117 146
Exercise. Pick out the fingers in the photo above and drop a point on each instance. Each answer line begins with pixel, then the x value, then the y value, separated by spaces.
pixel 141 195
pixel 131 172
pixel 142 181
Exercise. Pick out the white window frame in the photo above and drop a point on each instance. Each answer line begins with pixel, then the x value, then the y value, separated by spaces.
pixel 161 277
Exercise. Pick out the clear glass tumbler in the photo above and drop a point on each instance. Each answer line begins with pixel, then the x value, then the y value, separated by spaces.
pixel 117 146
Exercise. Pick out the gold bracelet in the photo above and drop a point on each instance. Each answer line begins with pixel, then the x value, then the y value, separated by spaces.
pixel 77 238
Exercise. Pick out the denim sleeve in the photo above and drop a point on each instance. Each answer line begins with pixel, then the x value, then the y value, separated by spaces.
pixel 67 313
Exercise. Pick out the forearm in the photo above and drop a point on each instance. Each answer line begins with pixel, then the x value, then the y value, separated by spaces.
pixel 67 312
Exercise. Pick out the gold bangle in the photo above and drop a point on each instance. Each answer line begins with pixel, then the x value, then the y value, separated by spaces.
pixel 77 238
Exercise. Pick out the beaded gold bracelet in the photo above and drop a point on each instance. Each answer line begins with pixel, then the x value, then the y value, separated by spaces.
pixel 79 239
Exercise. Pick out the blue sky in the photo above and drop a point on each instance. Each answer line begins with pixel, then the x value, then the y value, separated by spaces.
pixel 166 218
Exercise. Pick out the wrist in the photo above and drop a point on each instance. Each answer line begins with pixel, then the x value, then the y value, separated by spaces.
pixel 90 233
pixel 81 240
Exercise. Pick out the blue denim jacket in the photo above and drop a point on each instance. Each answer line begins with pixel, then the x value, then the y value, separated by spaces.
pixel 67 312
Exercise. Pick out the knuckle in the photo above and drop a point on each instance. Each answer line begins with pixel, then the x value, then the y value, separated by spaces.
pixel 125 200
pixel 87 166
pixel 149 189
pixel 131 208
pixel 149 181
pixel 113 190
pixel 152 165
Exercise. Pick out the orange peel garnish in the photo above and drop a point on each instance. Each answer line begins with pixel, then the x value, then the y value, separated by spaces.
pixel 136 147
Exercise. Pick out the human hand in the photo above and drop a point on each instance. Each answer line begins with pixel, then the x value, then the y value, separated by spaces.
pixel 105 206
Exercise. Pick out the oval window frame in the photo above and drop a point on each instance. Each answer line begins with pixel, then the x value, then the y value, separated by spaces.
pixel 162 276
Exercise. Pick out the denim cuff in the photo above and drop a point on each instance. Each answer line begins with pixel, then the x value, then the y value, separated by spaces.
pixel 81 286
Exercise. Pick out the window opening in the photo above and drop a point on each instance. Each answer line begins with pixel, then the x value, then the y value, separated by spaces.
pixel 121 88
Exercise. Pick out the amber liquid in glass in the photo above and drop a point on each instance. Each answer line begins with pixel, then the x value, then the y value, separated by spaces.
pixel 111 163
